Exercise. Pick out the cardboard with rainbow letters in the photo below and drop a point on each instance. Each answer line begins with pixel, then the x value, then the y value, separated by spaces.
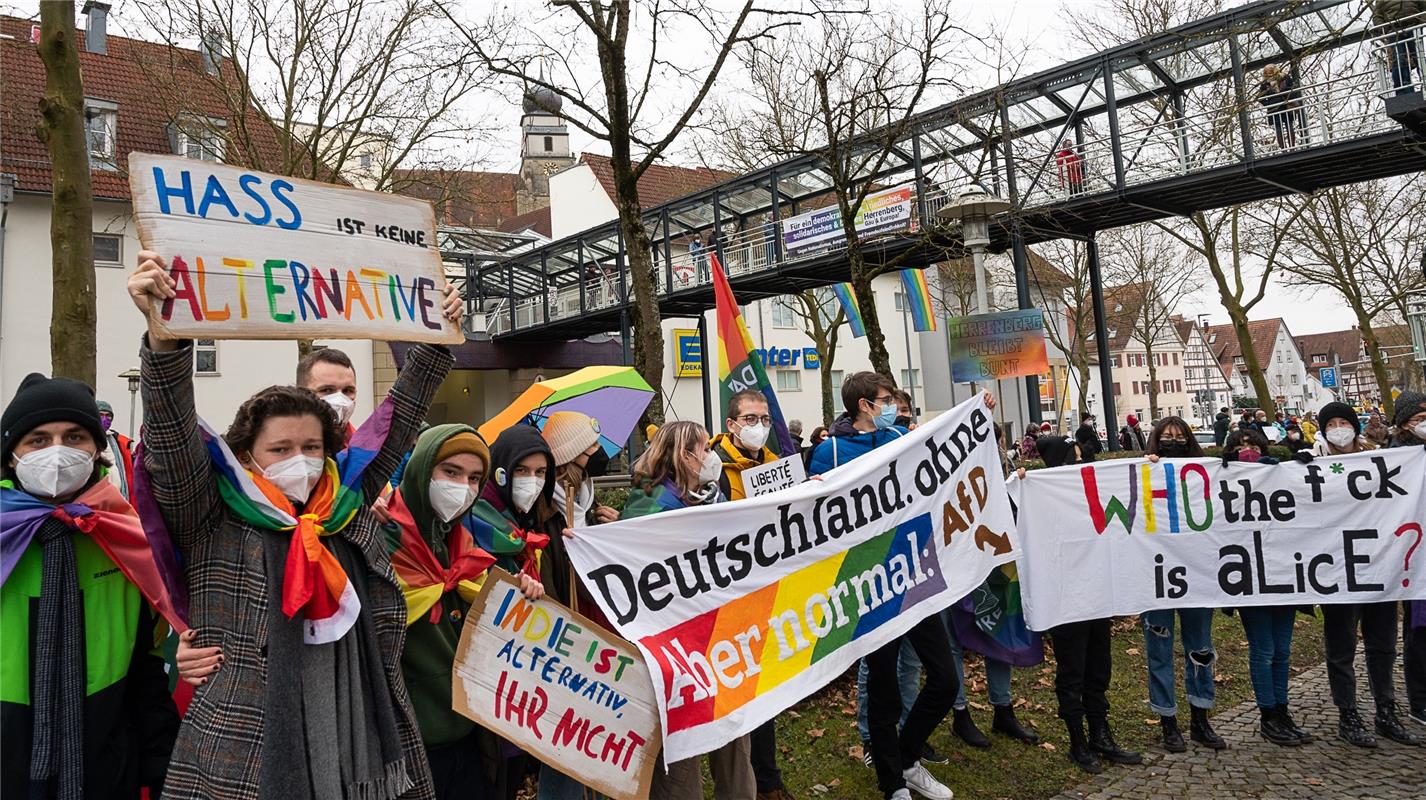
pixel 742 609
pixel 260 256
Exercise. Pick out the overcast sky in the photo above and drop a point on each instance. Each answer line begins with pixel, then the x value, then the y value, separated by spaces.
pixel 1037 25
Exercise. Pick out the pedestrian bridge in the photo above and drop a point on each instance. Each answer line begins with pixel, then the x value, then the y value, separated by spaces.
pixel 1174 123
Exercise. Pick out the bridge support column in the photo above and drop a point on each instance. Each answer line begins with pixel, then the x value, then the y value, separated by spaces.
pixel 1022 295
pixel 703 380
pixel 1101 341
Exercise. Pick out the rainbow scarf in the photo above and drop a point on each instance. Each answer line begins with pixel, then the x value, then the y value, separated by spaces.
pixel 515 550
pixel 739 366
pixel 423 580
pixel 314 583
pixel 918 299
pixel 102 514
pixel 848 298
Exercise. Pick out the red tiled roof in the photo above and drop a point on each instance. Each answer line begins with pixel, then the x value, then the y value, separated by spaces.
pixel 129 76
pixel 537 221
pixel 1345 345
pixel 463 197
pixel 660 183
pixel 1263 332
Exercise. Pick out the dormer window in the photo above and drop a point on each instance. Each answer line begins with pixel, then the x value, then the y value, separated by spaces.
pixel 101 129
pixel 198 138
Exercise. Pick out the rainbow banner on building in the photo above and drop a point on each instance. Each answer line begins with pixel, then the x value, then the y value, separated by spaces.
pixel 739 365
pixel 1006 344
pixel 918 299
pixel 848 298
pixel 742 609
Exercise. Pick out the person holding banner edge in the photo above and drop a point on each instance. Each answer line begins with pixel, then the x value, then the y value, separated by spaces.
pixel 678 470
pixel 1172 438
pixel 1410 419
pixel 267 499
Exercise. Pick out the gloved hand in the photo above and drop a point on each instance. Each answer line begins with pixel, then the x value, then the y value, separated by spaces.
pixel 1303 456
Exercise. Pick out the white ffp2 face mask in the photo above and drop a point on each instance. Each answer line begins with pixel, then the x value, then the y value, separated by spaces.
pixel 753 437
pixel 449 499
pixel 712 468
pixel 342 404
pixel 1341 437
pixel 55 471
pixel 1420 430
pixel 295 476
pixel 524 490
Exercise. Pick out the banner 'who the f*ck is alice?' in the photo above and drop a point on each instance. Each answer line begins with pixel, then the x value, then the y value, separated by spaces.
pixel 743 608
pixel 260 256
pixel 1126 536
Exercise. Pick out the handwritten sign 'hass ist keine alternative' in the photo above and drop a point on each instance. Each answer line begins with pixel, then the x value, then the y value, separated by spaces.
pixel 260 256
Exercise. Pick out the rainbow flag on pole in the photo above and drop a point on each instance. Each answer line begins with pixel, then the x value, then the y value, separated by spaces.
pixel 739 366
pixel 918 298
pixel 848 299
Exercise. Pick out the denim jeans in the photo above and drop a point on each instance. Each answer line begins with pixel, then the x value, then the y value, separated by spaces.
pixel 1269 633
pixel 997 673
pixel 1195 631
pixel 908 679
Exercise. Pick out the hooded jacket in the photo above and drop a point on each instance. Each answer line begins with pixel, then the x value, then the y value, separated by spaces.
pixel 511 447
pixel 734 462
pixel 430 650
pixel 1221 424
pixel 844 443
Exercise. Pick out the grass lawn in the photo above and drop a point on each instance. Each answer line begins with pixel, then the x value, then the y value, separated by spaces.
pixel 821 755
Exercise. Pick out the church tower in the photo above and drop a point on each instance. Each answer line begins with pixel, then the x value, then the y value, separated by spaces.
pixel 544 148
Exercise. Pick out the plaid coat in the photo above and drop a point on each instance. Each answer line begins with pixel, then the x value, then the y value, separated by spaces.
pixel 220 746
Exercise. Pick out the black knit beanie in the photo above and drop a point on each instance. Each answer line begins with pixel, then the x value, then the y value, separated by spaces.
pixel 1408 405
pixel 1336 410
pixel 41 400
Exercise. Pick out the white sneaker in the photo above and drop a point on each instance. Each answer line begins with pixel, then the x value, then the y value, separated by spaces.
pixel 919 779
pixel 901 794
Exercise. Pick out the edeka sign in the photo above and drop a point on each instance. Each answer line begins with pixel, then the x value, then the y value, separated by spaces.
pixel 259 256
pixel 558 686
pixel 687 353
pixel 1122 537
pixel 742 609
pixel 1006 344
pixel 883 212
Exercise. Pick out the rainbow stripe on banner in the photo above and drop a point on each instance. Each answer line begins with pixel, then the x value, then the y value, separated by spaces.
pixel 739 366
pixel 918 296
pixel 784 654
pixel 848 299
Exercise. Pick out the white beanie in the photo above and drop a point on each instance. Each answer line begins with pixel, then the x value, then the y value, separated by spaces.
pixel 569 433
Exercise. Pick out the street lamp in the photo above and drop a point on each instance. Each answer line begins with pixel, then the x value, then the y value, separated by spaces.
pixel 133 376
pixel 974 208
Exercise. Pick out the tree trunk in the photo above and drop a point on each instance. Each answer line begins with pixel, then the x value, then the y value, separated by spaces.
pixel 647 321
pixel 73 316
pixel 866 302
pixel 1153 383
pixel 1379 368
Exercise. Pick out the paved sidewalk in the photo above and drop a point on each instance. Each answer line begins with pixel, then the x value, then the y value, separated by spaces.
pixel 1251 767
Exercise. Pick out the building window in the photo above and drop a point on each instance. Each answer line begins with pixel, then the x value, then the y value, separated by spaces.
pixel 782 315
pixel 549 144
pixel 108 250
pixel 205 357
pixel 1319 358
pixel 910 378
pixel 200 143
pixel 101 126
pixel 899 300
pixel 1237 361
pixel 1294 379
pixel 1116 388
pixel 789 380
pixel 364 160
pixel 837 380
pixel 1175 359
pixel 1117 362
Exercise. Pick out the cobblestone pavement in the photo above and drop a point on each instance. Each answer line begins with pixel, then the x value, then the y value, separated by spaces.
pixel 1252 767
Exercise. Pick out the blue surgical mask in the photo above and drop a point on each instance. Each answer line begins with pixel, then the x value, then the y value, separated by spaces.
pixel 886 418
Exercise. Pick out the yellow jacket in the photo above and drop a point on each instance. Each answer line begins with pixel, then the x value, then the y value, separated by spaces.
pixel 734 462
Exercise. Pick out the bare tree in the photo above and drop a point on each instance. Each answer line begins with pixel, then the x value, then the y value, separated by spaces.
pixel 821 317
pixel 843 89
pixel 61 128
pixel 1153 278
pixel 1358 242
pixel 610 63
pixel 1076 309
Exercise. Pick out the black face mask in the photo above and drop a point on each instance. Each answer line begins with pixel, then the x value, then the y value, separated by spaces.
pixel 904 422
pixel 598 464
pixel 1172 449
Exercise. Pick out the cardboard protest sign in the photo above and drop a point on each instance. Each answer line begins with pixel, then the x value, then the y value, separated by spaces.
pixel 774 476
pixel 1126 536
pixel 1005 344
pixel 559 687
pixel 742 609
pixel 259 256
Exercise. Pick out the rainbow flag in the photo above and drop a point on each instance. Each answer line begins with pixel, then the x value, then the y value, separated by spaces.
pixel 991 621
pixel 918 297
pixel 739 366
pixel 848 299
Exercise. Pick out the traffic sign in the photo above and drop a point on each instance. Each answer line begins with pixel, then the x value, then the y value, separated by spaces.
pixel 1329 377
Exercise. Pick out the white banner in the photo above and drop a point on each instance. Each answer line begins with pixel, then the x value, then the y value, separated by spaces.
pixel 774 476
pixel 1126 536
pixel 742 609
pixel 887 211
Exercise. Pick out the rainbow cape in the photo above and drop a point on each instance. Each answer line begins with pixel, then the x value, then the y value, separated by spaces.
pixel 422 578
pixel 314 583
pixel 848 298
pixel 918 299
pixel 991 621
pixel 739 366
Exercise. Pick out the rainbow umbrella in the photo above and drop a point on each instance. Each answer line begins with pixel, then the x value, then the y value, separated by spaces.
pixel 615 397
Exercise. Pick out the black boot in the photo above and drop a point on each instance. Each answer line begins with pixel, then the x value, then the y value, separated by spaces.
pixel 1080 753
pixel 1388 724
pixel 1173 737
pixel 1101 740
pixel 1274 730
pixel 1285 717
pixel 1200 731
pixel 963 726
pixel 1352 730
pixel 1006 723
